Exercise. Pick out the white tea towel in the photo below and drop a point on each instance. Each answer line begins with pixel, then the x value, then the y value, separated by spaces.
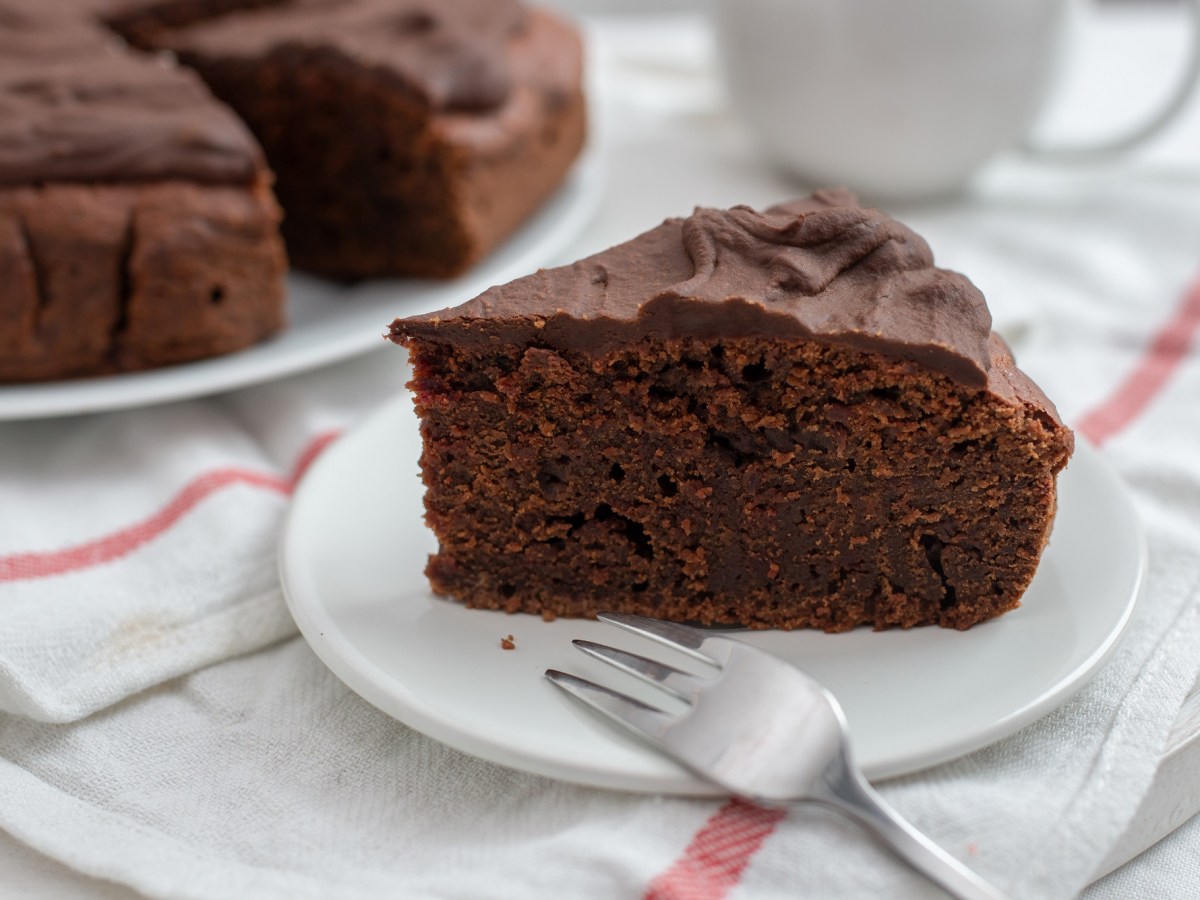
pixel 163 729
pixel 138 546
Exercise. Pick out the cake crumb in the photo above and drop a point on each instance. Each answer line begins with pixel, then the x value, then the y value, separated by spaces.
pixel 507 643
pixel 549 615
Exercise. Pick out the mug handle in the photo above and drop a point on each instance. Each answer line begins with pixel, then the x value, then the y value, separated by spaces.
pixel 1123 143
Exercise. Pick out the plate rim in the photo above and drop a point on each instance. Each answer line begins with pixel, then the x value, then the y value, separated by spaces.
pixel 671 779
pixel 563 216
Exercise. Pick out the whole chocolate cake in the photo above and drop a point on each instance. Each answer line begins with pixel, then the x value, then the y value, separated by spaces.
pixel 137 221
pixel 777 419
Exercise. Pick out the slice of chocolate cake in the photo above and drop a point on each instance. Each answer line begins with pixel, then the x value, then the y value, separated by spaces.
pixel 408 137
pixel 783 419
pixel 137 226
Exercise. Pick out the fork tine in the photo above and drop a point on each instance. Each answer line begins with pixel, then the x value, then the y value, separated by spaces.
pixel 640 718
pixel 683 685
pixel 671 634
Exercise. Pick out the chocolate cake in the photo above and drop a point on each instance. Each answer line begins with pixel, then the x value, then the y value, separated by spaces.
pixel 137 225
pixel 777 419
pixel 408 137
pixel 137 221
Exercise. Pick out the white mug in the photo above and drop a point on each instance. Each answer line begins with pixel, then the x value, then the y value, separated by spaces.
pixel 903 99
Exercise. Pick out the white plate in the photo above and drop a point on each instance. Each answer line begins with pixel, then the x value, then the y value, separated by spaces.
pixel 354 548
pixel 326 321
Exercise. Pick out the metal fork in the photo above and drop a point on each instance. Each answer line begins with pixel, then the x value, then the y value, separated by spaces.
pixel 760 729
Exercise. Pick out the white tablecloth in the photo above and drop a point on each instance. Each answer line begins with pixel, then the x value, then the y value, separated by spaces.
pixel 163 730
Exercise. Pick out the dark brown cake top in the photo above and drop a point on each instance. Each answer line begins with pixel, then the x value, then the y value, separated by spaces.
pixel 76 106
pixel 822 267
pixel 452 54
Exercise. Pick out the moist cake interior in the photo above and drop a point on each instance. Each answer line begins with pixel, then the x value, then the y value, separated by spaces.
pixel 745 481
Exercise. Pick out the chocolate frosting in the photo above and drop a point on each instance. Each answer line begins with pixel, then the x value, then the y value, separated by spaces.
pixel 77 106
pixel 452 54
pixel 822 268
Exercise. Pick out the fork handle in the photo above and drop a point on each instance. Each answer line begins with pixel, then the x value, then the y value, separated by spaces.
pixel 848 792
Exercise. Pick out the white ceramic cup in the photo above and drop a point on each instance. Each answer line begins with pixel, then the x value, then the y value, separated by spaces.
pixel 903 99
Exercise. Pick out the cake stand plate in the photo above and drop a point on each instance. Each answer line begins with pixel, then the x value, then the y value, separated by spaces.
pixel 352 557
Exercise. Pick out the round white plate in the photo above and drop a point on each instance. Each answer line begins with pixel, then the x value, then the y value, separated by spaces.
pixel 353 552
pixel 326 321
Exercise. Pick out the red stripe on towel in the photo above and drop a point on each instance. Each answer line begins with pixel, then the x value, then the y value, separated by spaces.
pixel 309 455
pixel 21 566
pixel 713 862
pixel 1159 361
